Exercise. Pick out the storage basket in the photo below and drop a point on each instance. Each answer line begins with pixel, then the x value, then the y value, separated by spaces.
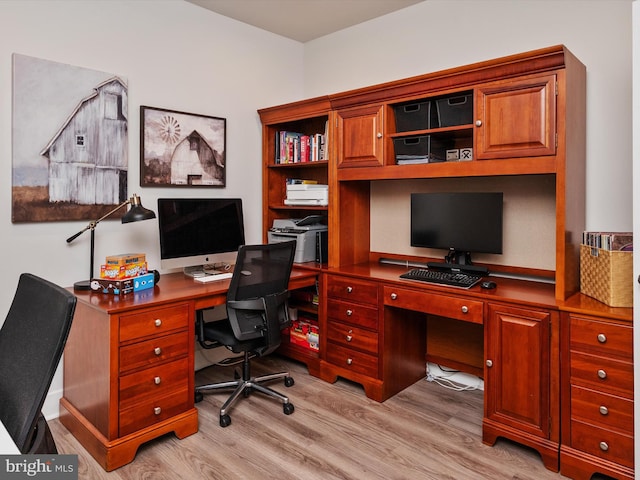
pixel 607 275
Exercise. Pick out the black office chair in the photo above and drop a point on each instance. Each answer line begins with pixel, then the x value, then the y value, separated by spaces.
pixel 32 339
pixel 256 313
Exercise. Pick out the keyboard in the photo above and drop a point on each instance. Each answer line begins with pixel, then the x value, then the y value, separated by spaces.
pixel 454 279
pixel 213 278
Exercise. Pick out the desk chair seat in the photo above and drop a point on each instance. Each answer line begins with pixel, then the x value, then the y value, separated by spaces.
pixel 32 339
pixel 257 312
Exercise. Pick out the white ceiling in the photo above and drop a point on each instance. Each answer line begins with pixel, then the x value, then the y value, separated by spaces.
pixel 303 20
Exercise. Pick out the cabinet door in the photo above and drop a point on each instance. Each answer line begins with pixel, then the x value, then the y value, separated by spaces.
pixel 516 118
pixel 360 132
pixel 517 368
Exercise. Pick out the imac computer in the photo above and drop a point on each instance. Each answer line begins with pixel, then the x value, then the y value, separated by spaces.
pixel 460 222
pixel 200 235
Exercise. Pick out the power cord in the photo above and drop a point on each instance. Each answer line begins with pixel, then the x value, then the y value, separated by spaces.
pixel 443 377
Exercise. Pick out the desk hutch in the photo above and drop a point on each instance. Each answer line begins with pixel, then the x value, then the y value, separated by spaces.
pixel 529 119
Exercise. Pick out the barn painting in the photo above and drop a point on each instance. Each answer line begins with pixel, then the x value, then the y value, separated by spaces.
pixel 70 141
pixel 181 149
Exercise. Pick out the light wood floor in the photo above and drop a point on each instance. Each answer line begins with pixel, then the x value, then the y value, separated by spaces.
pixel 336 432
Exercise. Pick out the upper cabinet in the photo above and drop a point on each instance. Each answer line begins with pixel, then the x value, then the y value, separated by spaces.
pixel 516 118
pixel 360 137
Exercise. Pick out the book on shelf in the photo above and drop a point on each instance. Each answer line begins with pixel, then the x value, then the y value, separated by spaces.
pixel 608 240
pixel 300 181
pixel 295 147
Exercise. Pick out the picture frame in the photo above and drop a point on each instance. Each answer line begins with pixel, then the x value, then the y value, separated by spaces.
pixel 180 149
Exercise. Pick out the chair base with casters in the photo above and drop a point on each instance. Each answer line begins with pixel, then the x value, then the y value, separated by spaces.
pixel 246 385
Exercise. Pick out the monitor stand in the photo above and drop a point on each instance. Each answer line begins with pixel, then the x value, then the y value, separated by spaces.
pixel 458 257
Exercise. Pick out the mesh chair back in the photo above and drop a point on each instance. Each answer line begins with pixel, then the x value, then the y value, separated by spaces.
pixel 261 275
pixel 32 339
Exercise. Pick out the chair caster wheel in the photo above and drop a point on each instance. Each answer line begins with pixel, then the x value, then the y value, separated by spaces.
pixel 225 420
pixel 289 381
pixel 287 408
pixel 198 397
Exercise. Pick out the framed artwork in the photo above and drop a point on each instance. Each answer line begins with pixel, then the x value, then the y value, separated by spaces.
pixel 180 149
pixel 69 141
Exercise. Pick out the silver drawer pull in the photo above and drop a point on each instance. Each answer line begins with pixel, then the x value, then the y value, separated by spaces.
pixel 349 289
pixel 349 338
pixel 602 374
pixel 604 446
pixel 394 296
pixel 489 363
pixel 602 338
pixel 465 309
pixel 157 322
pixel 349 361
pixel 157 380
pixel 157 350
pixel 604 410
pixel 157 410
pixel 349 312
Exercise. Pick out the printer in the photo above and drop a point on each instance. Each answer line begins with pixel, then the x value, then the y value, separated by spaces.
pixel 309 233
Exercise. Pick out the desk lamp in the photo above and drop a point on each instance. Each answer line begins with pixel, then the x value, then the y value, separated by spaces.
pixel 136 213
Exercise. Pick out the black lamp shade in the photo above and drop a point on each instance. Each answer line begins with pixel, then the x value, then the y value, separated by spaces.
pixel 137 212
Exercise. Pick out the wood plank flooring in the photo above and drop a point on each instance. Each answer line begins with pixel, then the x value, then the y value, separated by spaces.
pixel 336 432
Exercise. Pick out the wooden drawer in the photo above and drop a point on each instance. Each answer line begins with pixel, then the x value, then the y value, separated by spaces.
pixel 603 443
pixel 352 290
pixel 353 360
pixel 353 313
pixel 352 337
pixel 607 411
pixel 157 321
pixel 155 409
pixel 443 305
pixel 590 369
pixel 600 337
pixel 153 382
pixel 153 351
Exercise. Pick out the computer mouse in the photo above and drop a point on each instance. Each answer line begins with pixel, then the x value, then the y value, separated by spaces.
pixel 488 284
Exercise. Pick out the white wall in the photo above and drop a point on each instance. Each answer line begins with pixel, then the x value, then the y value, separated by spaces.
pixel 174 55
pixel 439 34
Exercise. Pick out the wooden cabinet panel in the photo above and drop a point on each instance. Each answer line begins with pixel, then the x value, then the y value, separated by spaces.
pixel 602 443
pixel 153 382
pixel 516 118
pixel 352 290
pixel 353 313
pixel 361 137
pixel 446 306
pixel 601 337
pixel 352 337
pixel 602 373
pixel 153 351
pixel 608 411
pixel 153 322
pixel 353 360
pixel 154 410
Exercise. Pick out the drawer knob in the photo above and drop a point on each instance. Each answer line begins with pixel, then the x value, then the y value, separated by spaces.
pixel 465 309
pixel 157 350
pixel 157 380
pixel 478 123
pixel 394 296
pixel 157 322
pixel 604 410
pixel 604 446
pixel 602 374
pixel 489 363
pixel 349 289
pixel 602 338
pixel 157 410
pixel 349 312
pixel 349 338
pixel 379 135
pixel 349 361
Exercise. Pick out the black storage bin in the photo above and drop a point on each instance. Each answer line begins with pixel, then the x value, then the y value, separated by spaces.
pixel 454 110
pixel 415 149
pixel 413 116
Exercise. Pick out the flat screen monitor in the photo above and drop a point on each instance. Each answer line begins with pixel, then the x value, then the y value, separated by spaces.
pixel 199 234
pixel 460 222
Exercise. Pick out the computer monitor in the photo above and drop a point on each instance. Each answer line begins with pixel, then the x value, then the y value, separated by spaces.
pixel 460 222
pixel 199 235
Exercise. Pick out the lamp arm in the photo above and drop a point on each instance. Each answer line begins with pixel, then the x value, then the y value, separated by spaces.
pixel 92 224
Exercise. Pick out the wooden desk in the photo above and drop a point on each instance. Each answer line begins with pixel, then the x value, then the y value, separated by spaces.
pixel 129 365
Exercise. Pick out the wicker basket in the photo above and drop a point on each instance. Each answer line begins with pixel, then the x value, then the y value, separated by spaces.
pixel 607 275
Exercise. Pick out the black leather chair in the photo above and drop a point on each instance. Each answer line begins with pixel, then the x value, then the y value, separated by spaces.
pixel 32 339
pixel 256 313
